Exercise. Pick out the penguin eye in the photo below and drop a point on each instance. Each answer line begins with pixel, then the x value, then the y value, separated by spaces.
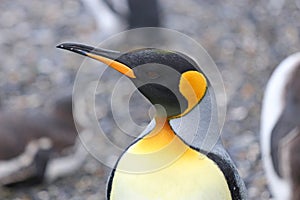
pixel 152 75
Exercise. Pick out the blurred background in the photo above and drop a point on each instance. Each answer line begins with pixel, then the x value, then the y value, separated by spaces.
pixel 246 39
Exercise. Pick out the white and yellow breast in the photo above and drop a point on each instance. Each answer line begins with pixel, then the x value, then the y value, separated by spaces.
pixel 162 167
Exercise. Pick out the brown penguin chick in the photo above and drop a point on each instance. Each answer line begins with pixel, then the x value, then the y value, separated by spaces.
pixel 31 141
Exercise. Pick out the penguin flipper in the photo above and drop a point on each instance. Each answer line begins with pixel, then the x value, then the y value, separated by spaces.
pixel 235 183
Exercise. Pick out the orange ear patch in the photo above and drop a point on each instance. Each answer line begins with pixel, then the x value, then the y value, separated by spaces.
pixel 192 86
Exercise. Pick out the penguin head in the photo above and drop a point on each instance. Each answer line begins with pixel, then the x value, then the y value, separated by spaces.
pixel 166 78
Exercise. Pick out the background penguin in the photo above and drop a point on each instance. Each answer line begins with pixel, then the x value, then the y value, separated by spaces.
pixel 280 122
pixel 140 172
pixel 114 16
pixel 139 13
pixel 37 146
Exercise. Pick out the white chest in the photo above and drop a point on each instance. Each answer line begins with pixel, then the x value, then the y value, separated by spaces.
pixel 189 177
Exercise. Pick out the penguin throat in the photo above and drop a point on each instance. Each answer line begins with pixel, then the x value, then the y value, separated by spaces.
pixel 160 138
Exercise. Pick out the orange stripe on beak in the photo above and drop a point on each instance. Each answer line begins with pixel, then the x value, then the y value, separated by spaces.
pixel 113 64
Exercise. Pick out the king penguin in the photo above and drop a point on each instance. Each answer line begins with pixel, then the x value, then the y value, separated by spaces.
pixel 280 133
pixel 160 164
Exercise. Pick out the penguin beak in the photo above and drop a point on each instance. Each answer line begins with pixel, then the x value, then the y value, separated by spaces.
pixel 105 56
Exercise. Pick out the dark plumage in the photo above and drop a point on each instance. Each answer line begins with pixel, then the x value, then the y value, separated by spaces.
pixel 280 129
pixel 36 137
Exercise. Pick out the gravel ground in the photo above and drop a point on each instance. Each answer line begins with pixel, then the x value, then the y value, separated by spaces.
pixel 246 39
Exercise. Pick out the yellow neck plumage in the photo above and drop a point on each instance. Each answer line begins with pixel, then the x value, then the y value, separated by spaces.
pixel 162 166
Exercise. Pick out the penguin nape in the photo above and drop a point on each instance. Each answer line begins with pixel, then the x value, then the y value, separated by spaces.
pixel 159 164
pixel 280 133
